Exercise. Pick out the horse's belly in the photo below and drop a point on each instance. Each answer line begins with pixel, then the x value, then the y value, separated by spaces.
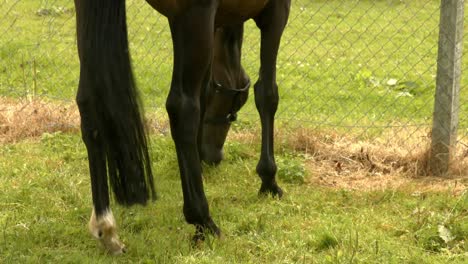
pixel 244 8
pixel 168 8
pixel 229 11
pixel 234 11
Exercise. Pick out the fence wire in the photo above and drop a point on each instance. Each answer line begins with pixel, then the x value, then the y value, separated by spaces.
pixel 365 68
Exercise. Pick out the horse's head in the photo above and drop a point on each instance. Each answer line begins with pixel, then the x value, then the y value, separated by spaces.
pixel 226 94
pixel 222 105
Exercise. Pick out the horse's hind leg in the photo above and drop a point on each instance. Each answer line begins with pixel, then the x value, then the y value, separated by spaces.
pixel 111 119
pixel 192 36
pixel 271 22
pixel 102 224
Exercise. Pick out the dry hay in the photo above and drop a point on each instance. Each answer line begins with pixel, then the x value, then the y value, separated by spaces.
pixel 392 160
pixel 389 161
pixel 20 119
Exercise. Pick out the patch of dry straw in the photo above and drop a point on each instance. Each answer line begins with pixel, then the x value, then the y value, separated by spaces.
pixel 20 119
pixel 393 160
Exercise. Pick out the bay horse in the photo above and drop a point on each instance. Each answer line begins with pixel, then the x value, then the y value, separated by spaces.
pixel 208 87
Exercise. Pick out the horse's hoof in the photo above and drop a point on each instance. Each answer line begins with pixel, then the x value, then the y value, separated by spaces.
pixel 273 189
pixel 117 249
pixel 104 229
pixel 202 230
pixel 113 245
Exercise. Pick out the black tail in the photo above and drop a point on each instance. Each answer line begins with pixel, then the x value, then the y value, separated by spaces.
pixel 111 90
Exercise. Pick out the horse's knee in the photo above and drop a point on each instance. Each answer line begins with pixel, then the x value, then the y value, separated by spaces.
pixel 184 117
pixel 266 96
pixel 181 104
pixel 172 104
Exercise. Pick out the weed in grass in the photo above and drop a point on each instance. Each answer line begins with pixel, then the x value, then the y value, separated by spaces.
pixel 291 169
pixel 325 242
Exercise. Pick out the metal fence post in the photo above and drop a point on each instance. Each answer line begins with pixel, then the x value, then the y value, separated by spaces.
pixel 446 107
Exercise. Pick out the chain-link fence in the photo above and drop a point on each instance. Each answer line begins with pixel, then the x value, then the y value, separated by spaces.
pixel 363 68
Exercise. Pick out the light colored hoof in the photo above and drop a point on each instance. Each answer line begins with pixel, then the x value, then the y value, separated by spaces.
pixel 104 229
pixel 113 246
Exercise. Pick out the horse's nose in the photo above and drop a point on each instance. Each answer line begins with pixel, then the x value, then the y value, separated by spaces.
pixel 211 155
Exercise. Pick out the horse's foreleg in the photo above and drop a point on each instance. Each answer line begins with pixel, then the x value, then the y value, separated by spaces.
pixel 192 36
pixel 271 22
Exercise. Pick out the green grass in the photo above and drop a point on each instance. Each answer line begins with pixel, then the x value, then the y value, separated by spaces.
pixel 335 69
pixel 45 204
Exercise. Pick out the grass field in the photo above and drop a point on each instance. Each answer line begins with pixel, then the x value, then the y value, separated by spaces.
pixel 354 191
pixel 45 205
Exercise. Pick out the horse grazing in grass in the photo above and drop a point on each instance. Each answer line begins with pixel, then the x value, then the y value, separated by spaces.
pixel 208 87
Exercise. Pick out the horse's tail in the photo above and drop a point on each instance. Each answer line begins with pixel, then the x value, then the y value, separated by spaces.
pixel 104 56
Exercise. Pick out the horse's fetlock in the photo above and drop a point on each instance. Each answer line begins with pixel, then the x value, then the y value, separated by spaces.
pixel 196 214
pixel 266 169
